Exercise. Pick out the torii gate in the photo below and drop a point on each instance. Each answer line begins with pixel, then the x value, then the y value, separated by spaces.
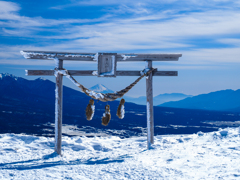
pixel 107 63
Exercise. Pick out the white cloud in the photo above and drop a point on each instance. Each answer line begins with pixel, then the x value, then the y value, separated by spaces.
pixel 141 34
pixel 8 10
pixel 152 26
pixel 122 9
pixel 149 2
pixel 7 7
pixel 230 41
pixel 217 56
pixel 194 24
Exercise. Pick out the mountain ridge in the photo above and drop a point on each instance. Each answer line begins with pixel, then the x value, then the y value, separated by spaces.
pixel 223 100
pixel 28 106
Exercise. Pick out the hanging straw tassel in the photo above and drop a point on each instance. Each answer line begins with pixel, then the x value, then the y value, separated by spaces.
pixel 106 116
pixel 90 110
pixel 120 110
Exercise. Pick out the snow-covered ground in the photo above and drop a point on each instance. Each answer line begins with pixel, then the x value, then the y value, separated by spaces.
pixel 212 155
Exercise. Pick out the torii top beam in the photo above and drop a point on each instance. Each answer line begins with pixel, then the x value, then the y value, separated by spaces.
pixel 121 57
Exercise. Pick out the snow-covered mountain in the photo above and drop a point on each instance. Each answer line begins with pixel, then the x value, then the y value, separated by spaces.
pixel 206 156
pixel 3 75
pixel 100 88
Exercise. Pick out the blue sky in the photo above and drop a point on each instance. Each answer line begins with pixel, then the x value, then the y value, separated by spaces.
pixel 206 32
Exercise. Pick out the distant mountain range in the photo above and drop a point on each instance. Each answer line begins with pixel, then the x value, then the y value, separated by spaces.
pixel 28 106
pixel 224 100
pixel 157 100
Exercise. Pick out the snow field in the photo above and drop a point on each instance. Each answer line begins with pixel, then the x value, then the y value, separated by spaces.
pixel 198 156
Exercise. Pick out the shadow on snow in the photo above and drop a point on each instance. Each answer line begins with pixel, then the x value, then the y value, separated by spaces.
pixel 37 164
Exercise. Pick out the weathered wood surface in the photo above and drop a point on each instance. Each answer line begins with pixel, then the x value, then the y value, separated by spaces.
pixel 149 95
pixel 51 55
pixel 58 109
pixel 91 73
pixel 121 57
pixel 144 57
pixel 107 65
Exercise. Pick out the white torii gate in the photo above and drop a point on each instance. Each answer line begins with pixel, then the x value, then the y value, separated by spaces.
pixel 107 63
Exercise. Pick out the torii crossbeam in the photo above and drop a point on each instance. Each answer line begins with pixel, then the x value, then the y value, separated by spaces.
pixel 107 62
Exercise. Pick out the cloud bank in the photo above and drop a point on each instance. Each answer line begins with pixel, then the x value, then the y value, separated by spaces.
pixel 206 32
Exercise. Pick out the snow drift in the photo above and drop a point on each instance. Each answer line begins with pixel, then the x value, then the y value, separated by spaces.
pixel 198 156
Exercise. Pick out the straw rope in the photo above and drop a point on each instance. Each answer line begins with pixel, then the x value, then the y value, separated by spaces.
pixel 100 96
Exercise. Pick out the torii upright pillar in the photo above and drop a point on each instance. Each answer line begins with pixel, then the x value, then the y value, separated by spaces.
pixel 60 56
pixel 149 97
pixel 58 106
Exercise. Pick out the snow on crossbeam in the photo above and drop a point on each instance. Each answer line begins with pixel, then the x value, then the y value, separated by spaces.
pixel 121 57
pixel 50 55
pixel 93 73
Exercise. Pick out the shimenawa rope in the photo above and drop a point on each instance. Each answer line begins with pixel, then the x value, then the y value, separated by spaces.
pixel 108 96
